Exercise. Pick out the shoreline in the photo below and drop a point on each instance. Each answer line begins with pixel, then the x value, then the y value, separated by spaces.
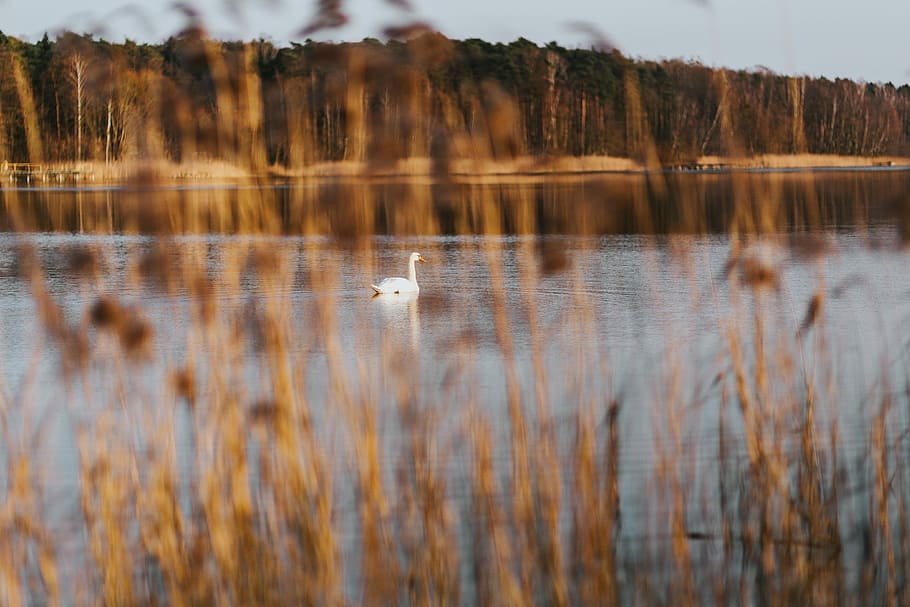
pixel 459 170
pixel 567 166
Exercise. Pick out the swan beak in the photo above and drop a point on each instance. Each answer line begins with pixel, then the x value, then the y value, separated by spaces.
pixel 420 258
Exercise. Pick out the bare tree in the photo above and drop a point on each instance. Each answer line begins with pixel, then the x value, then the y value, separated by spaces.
pixel 77 76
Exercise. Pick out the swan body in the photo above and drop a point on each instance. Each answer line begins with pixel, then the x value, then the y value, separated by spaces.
pixel 401 285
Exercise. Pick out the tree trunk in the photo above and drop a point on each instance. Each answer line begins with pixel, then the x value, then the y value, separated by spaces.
pixel 107 132
pixel 78 66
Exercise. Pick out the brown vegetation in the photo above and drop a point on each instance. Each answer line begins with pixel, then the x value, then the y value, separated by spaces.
pixel 209 471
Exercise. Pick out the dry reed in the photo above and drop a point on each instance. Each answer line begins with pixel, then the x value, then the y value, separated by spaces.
pixel 210 471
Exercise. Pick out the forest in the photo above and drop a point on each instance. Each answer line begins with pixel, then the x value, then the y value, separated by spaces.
pixel 76 98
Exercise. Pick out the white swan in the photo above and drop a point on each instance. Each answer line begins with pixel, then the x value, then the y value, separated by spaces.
pixel 401 285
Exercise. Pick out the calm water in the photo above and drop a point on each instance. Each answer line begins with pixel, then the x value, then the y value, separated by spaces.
pixel 602 292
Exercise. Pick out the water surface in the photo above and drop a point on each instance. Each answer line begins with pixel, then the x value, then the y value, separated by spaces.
pixel 587 293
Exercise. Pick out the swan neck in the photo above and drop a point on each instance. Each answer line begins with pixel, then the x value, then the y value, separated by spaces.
pixel 412 271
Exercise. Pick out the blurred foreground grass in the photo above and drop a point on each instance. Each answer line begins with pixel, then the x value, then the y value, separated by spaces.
pixel 249 513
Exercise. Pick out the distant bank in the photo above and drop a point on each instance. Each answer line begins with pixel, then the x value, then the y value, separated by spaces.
pixel 458 169
pixel 331 107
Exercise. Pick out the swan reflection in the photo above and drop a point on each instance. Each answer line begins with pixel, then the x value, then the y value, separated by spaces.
pixel 400 314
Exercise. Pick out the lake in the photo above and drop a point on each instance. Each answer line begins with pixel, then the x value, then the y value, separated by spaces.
pixel 720 338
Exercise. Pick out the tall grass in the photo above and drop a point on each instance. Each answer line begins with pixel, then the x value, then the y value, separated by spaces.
pixel 215 465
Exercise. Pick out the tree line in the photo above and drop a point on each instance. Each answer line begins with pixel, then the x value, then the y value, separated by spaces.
pixel 77 98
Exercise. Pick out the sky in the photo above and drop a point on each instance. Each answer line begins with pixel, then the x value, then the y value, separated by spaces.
pixel 834 38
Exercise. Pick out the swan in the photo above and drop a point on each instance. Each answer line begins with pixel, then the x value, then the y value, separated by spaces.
pixel 401 285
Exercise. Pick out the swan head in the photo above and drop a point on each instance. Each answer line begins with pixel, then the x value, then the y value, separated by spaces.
pixel 417 257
